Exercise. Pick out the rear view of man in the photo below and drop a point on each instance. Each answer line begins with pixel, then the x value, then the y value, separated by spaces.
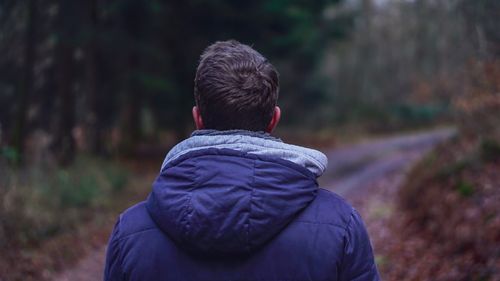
pixel 233 202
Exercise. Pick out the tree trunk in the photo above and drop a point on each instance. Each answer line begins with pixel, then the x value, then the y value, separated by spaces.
pixel 64 143
pixel 130 126
pixel 92 120
pixel 26 85
pixel 134 16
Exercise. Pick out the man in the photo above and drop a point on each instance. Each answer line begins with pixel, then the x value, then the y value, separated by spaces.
pixel 234 203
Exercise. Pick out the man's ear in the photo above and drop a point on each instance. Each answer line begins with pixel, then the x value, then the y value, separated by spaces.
pixel 274 120
pixel 198 122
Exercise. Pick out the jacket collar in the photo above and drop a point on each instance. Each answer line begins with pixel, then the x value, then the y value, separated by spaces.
pixel 259 143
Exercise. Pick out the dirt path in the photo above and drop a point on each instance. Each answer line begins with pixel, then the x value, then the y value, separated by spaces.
pixel 367 174
pixel 357 166
pixel 89 268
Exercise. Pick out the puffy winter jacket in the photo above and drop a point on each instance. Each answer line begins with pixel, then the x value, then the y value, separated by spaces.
pixel 237 205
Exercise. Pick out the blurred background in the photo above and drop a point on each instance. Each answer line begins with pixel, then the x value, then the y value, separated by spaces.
pixel 93 93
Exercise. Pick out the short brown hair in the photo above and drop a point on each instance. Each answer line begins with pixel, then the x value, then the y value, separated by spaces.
pixel 235 87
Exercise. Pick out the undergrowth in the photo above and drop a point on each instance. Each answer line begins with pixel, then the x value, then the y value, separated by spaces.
pixel 451 197
pixel 37 203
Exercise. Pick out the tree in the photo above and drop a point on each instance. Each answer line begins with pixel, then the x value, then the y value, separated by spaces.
pixel 93 127
pixel 67 28
pixel 26 84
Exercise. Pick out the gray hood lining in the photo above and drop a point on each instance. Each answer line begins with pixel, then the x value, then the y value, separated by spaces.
pixel 257 143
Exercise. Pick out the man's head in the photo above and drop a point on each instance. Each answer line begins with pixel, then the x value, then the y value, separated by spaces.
pixel 235 88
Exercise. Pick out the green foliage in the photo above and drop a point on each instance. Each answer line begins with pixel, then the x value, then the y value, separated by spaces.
pixel 381 260
pixel 417 114
pixel 489 150
pixel 75 192
pixel 465 189
pixel 155 83
pixel 454 168
pixel 38 203
pixel 10 154
pixel 117 178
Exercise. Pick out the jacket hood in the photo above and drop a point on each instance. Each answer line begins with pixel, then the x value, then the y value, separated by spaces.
pixel 231 192
pixel 258 143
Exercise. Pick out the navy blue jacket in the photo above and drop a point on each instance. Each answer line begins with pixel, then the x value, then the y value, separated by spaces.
pixel 223 214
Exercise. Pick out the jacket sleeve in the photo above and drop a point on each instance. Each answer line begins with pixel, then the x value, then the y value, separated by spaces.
pixel 358 263
pixel 113 268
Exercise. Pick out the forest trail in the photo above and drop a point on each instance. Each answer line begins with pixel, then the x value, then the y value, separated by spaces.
pixel 367 174
pixel 353 167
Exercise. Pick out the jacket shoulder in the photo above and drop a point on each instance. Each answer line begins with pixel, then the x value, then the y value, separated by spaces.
pixel 327 208
pixel 134 220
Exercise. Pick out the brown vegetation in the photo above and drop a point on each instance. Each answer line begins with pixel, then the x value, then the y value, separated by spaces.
pixel 450 200
pixel 450 205
pixel 52 217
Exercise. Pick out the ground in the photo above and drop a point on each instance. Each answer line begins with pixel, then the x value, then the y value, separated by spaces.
pixel 368 174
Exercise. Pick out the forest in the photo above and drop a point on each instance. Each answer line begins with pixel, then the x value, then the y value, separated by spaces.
pixel 93 94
